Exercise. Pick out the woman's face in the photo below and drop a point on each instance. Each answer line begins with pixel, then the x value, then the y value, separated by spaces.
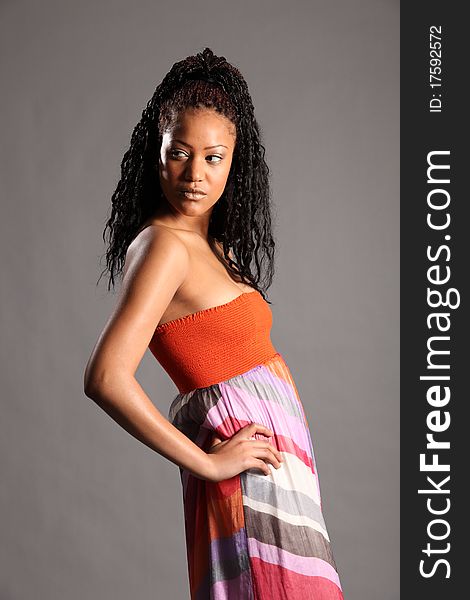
pixel 196 154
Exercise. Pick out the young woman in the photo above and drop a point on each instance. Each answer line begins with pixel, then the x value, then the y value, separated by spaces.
pixel 190 233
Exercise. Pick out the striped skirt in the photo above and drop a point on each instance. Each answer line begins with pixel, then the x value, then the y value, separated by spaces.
pixel 255 536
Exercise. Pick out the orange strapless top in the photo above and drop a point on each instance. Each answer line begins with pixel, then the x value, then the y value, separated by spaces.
pixel 216 343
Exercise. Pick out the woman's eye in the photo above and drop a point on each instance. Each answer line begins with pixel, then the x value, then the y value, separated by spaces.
pixel 176 153
pixel 219 158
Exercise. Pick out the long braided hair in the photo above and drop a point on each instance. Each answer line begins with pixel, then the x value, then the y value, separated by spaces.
pixel 241 219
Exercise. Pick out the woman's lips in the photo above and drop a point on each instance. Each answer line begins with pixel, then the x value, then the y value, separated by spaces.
pixel 192 195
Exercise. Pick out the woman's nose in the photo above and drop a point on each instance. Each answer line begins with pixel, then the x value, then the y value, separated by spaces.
pixel 194 170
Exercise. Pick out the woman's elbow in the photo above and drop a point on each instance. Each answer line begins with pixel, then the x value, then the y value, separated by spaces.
pixel 99 384
pixel 93 382
pixel 90 386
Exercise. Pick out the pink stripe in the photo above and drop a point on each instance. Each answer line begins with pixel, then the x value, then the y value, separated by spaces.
pixel 238 587
pixel 283 386
pixel 305 565
pixel 240 404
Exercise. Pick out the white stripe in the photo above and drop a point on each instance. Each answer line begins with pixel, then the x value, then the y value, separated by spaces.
pixel 287 517
pixel 292 475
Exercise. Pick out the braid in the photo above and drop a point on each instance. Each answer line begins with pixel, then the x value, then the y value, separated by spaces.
pixel 241 218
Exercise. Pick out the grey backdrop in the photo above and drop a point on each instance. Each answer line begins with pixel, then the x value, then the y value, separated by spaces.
pixel 87 511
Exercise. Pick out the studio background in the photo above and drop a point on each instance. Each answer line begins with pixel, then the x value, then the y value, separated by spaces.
pixel 87 511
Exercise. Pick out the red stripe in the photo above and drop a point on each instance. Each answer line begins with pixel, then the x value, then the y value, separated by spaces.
pixel 273 582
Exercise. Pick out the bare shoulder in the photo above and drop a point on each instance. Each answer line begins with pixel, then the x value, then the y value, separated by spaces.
pixel 157 245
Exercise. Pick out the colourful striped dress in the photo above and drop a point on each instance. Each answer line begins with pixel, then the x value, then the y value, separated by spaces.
pixel 254 536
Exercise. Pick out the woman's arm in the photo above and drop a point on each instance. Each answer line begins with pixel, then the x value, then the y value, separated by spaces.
pixel 156 265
